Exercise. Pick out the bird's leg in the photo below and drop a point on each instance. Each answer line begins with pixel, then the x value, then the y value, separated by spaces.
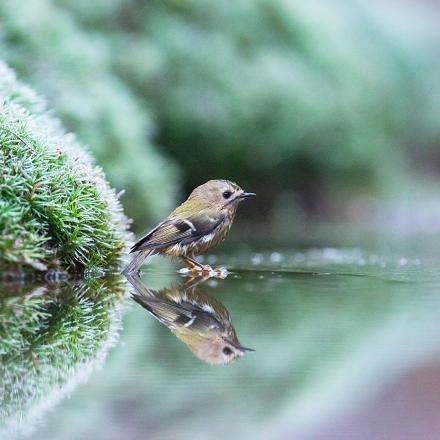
pixel 193 265
pixel 203 269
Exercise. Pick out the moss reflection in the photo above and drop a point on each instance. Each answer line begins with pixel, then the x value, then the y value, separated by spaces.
pixel 52 337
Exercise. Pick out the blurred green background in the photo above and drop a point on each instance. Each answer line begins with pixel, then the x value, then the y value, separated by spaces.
pixel 310 104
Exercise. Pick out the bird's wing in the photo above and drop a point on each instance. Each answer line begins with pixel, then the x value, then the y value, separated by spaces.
pixel 174 315
pixel 182 230
pixel 166 312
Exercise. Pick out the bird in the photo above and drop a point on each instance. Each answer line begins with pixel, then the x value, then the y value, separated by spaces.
pixel 200 321
pixel 201 222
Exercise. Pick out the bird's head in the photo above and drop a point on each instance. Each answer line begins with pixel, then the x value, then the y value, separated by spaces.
pixel 222 194
pixel 212 348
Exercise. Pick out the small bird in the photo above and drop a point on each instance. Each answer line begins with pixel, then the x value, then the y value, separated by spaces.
pixel 197 225
pixel 201 322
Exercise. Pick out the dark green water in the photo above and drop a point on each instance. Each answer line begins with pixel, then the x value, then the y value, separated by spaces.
pixel 347 346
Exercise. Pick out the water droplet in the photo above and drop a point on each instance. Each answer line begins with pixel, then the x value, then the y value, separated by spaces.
pixel 275 257
pixel 403 261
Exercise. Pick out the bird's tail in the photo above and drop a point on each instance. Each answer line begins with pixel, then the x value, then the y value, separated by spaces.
pixel 135 264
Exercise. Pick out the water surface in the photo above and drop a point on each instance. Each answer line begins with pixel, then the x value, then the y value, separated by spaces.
pixel 347 345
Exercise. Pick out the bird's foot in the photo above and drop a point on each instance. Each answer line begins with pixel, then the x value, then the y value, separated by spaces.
pixel 196 269
pixel 205 271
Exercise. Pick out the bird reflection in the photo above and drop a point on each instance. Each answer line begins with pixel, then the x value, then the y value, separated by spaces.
pixel 197 319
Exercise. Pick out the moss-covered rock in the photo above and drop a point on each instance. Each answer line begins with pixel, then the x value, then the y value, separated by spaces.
pixel 56 208
pixel 51 338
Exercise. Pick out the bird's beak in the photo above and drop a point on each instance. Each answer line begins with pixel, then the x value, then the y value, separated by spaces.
pixel 240 347
pixel 245 195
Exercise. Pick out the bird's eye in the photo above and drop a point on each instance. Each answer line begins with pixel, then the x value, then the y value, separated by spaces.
pixel 227 194
pixel 227 351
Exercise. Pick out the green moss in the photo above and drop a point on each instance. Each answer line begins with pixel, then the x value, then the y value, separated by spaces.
pixel 51 338
pixel 56 208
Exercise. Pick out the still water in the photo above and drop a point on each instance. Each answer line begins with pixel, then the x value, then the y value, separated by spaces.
pixel 347 346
